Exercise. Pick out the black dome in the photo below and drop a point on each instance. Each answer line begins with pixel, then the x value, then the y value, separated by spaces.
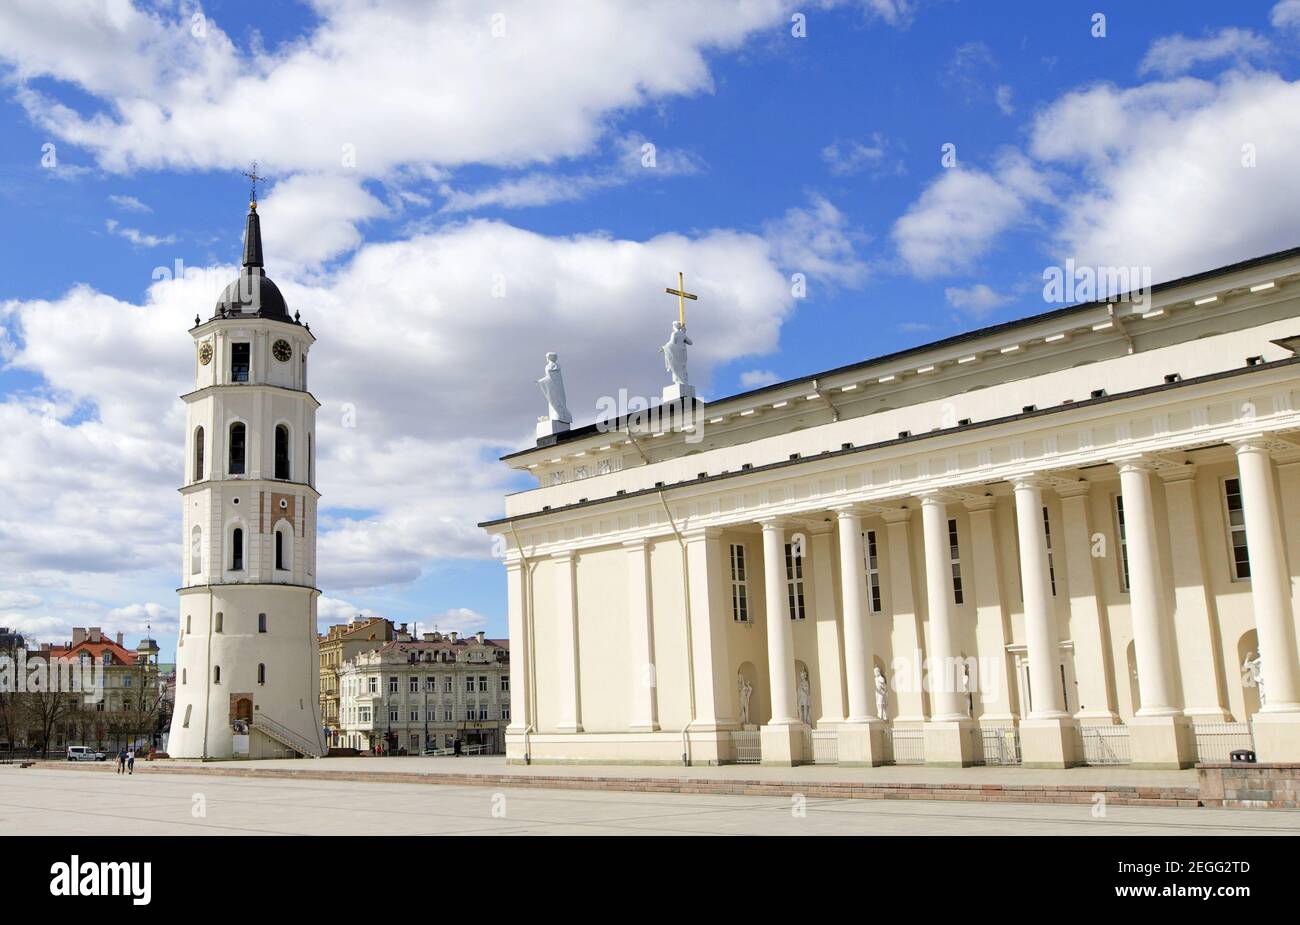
pixel 252 294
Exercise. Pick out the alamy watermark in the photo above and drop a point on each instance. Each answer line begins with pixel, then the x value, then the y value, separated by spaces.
pixel 1079 284
pixel 22 675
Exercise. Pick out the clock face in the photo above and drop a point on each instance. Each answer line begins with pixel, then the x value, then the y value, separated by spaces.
pixel 205 353
pixel 281 350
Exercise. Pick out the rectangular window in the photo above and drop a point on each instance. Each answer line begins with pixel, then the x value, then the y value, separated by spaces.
pixel 1051 562
pixel 505 711
pixel 261 623
pixel 871 553
pixel 415 716
pixel 430 683
pixel 239 362
pixel 446 715
pixel 739 585
pixel 413 684
pixel 1123 543
pixel 373 685
pixel 1236 529
pixel 794 582
pixel 469 685
pixel 954 553
pixel 392 685
pixel 469 711
pixel 505 683
pixel 392 715
pixel 482 684
pixel 446 684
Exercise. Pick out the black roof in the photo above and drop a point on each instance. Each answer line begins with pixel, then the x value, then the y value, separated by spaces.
pixel 252 294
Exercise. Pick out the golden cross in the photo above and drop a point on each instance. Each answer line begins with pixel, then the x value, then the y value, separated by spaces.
pixel 682 296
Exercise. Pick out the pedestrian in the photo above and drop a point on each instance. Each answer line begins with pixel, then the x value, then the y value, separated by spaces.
pixel 130 761
pixel 121 761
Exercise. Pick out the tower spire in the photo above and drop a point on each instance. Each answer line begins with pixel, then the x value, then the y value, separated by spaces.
pixel 253 233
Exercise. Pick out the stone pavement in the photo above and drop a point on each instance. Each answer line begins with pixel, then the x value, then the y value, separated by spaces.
pixel 1121 786
pixel 80 799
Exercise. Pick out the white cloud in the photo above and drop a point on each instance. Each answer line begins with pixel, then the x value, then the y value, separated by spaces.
pixel 1285 15
pixel 845 158
pixel 1003 96
pixel 18 600
pixel 819 242
pixel 457 619
pixel 404 83
pixel 438 368
pixel 1163 165
pixel 957 219
pixel 135 236
pixel 757 378
pixel 977 300
pixel 1177 54
pixel 129 204
pixel 316 217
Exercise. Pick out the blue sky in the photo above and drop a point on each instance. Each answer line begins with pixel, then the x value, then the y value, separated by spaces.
pixel 414 158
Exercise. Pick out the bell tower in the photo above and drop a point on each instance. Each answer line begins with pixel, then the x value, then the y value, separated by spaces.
pixel 246 661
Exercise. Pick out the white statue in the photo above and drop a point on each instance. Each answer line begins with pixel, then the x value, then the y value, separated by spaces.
pixel 805 698
pixel 552 385
pixel 882 694
pixel 746 691
pixel 1252 673
pixel 675 354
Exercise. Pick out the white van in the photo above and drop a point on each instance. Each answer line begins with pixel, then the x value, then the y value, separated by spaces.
pixel 85 753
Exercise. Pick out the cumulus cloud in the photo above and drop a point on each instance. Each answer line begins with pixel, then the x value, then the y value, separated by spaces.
pixel 129 204
pixel 135 236
pixel 1285 15
pixel 818 241
pixel 977 300
pixel 756 378
pixel 1178 54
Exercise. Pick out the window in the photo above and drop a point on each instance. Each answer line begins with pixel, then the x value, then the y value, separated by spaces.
pixel 1123 543
pixel 871 552
pixel 237 550
pixel 220 621
pixel 954 553
pixel 261 623
pixel 198 454
pixel 430 683
pixel 413 684
pixel 482 711
pixel 279 550
pixel 261 674
pixel 739 585
pixel 505 683
pixel 446 684
pixel 415 717
pixel 373 685
pixel 187 623
pixel 1051 562
pixel 392 685
pixel 311 463
pixel 469 685
pixel 281 451
pixel 216 674
pixel 186 723
pixel 1237 529
pixel 446 714
pixel 237 434
pixel 794 582
pixel 184 676
pixel 482 684
pixel 239 362
pixel 392 715
pixel 196 550
pixel 470 711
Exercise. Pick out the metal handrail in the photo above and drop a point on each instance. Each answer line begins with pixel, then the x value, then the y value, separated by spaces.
pixel 294 740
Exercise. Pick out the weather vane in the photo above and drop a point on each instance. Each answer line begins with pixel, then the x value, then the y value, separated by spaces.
pixel 253 177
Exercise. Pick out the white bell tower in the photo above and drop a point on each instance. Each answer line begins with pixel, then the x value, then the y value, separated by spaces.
pixel 247 668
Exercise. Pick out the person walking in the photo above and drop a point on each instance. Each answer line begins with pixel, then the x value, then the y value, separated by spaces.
pixel 130 761
pixel 121 761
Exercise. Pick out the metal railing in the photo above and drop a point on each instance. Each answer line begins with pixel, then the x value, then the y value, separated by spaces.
pixel 904 746
pixel 1103 745
pixel 996 745
pixel 1217 741
pixel 821 746
pixel 748 746
pixel 287 737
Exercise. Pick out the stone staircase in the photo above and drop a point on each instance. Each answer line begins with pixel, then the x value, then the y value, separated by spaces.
pixel 288 738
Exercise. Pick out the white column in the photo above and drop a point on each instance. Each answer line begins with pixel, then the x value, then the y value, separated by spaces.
pixel 780 636
pixel 1160 735
pixel 1155 686
pixel 1041 636
pixel 1270 582
pixel 566 626
pixel 948 733
pixel 945 699
pixel 521 718
pixel 1088 628
pixel 710 616
pixel 1047 733
pixel 640 632
pixel 858 653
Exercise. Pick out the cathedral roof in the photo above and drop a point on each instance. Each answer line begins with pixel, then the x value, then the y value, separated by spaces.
pixel 253 293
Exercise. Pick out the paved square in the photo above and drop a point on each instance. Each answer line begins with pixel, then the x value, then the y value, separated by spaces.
pixel 46 801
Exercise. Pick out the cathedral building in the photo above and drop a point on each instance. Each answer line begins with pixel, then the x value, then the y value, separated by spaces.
pixel 246 662
pixel 1068 539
